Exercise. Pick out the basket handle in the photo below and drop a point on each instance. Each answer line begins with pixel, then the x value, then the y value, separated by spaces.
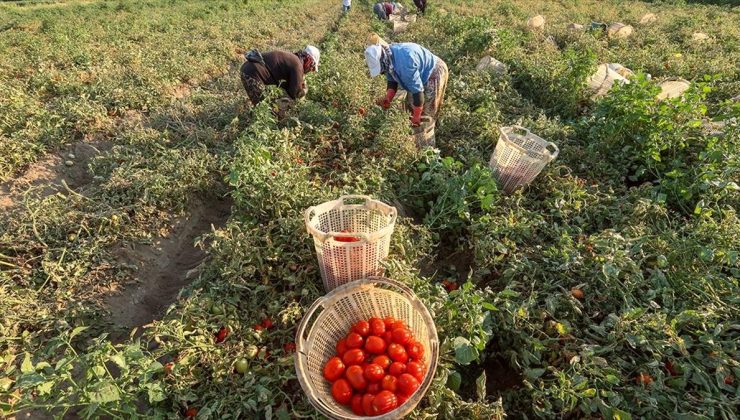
pixel 554 152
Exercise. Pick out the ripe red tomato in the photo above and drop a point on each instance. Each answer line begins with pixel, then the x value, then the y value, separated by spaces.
pixel 168 368
pixel 362 328
pixel 388 336
pixel 389 383
pixel 353 357
pixel 258 327
pixel 397 368
pixel 374 373
pixel 342 347
pixel 388 321
pixel 377 326
pixel 367 404
pixel 644 379
pixel 398 353
pixel 407 384
pixel 729 379
pixel 356 404
pixel 385 402
pixel 402 336
pixel 192 412
pixel 342 391
pixel 383 361
pixel 373 388
pixel 267 323
pixel 354 341
pixel 402 399
pixel 333 369
pixel 415 350
pixel 375 345
pixel 416 370
pixel 222 334
pixel 398 324
pixel 346 238
pixel 289 347
pixel 356 377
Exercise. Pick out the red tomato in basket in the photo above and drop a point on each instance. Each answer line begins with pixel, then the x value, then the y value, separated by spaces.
pixel 354 341
pixel 388 336
pixel 397 368
pixel 373 388
pixel 398 324
pixel 342 347
pixel 388 321
pixel 367 404
pixel 356 377
pixel 407 384
pixel 402 399
pixel 356 405
pixel 401 335
pixel 377 326
pixel 375 345
pixel 334 369
pixel 362 328
pixel 389 383
pixel 347 238
pixel 374 373
pixel 415 350
pixel 416 370
pixel 398 353
pixel 385 402
pixel 342 391
pixel 383 361
pixel 353 357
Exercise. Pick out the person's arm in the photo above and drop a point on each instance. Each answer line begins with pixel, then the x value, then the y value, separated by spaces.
pixel 296 82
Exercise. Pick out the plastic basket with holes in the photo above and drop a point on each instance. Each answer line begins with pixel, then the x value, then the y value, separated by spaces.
pixel 519 157
pixel 352 236
pixel 330 318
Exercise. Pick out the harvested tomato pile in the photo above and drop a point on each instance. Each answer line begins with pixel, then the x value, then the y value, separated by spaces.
pixel 379 365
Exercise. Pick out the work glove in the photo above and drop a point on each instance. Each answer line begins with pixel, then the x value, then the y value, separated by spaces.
pixel 416 116
pixel 385 102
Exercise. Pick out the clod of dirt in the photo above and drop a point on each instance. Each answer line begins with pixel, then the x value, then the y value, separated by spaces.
pixel 536 22
pixel 673 88
pixel 648 18
pixel 619 30
pixel 575 27
pixel 161 269
pixel 699 36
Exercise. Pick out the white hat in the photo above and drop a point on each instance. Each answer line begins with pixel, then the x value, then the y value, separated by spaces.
pixel 372 57
pixel 315 54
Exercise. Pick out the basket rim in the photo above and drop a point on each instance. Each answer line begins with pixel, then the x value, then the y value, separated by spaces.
pixel 548 155
pixel 334 296
pixel 370 204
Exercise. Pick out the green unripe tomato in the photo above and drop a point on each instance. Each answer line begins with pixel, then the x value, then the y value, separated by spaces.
pixel 662 261
pixel 251 351
pixel 242 366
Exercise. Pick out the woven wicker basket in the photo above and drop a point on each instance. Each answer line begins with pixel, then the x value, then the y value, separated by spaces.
pixel 330 318
pixel 424 133
pixel 519 157
pixel 369 224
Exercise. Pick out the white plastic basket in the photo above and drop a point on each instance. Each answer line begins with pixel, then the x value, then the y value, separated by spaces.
pixel 370 222
pixel 329 320
pixel 519 157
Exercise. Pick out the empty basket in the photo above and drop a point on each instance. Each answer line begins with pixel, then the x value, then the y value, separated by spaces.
pixel 329 320
pixel 519 157
pixel 351 240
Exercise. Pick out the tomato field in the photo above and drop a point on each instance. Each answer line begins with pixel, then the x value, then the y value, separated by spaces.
pixel 154 261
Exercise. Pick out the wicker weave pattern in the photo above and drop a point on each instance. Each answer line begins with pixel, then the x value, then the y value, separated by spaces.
pixel 519 157
pixel 340 262
pixel 331 317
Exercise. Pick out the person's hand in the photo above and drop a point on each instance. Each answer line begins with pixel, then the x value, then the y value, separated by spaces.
pixel 383 102
pixel 416 116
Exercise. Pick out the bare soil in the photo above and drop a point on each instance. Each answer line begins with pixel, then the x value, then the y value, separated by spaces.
pixel 163 267
pixel 48 175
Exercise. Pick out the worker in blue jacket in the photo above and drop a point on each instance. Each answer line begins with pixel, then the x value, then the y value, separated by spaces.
pixel 414 69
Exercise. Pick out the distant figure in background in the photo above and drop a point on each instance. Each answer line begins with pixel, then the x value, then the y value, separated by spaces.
pixel 346 5
pixel 421 5
pixel 413 68
pixel 383 10
pixel 279 68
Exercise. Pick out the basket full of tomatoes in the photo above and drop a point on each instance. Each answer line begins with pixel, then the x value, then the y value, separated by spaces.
pixel 369 348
